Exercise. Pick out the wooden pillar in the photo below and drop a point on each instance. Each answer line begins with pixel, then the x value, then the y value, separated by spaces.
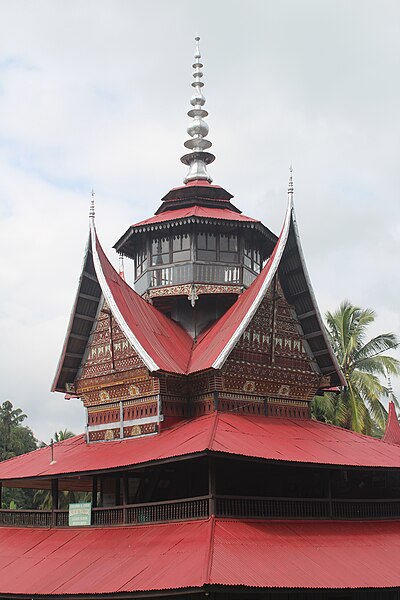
pixel 211 485
pixel 329 472
pixel 125 499
pixel 1 493
pixel 94 491
pixel 54 501
pixel 101 492
pixel 117 491
pixel 215 399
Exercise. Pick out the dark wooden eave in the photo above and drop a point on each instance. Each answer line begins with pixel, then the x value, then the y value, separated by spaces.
pixel 80 325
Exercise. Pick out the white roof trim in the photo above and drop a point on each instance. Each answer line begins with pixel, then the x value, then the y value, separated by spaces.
pixel 149 362
pixel 219 362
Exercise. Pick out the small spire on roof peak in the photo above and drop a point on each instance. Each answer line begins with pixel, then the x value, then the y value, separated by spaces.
pixel 290 184
pixel 91 210
pixel 121 268
pixel 198 159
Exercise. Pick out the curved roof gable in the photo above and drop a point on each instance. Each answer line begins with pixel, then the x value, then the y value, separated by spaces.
pixel 164 345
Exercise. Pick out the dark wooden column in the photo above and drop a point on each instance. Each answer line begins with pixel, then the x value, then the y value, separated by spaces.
pixel 211 485
pixel 94 491
pixel 329 490
pixel 54 501
pixel 125 499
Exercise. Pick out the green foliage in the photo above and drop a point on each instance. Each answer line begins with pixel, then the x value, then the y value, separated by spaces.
pixel 65 434
pixel 14 438
pixel 359 406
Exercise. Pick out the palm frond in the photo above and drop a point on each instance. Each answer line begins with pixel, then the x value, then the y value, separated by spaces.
pixel 377 345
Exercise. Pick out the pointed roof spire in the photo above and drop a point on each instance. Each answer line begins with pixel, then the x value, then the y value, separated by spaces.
pixel 91 210
pixel 290 184
pixel 198 159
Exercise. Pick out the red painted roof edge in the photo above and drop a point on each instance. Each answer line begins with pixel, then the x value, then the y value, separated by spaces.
pixel 147 359
pixel 71 319
pixel 151 351
pixel 392 431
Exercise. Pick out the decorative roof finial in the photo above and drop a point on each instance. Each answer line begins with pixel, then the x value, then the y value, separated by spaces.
pixel 197 160
pixel 290 184
pixel 121 268
pixel 389 386
pixel 91 210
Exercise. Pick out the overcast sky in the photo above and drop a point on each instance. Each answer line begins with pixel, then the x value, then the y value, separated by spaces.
pixel 95 94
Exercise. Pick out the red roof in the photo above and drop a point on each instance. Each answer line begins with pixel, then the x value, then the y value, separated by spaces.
pixel 269 438
pixel 161 342
pixel 202 212
pixel 392 433
pixel 301 555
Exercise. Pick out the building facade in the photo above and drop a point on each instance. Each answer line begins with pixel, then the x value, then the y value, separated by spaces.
pixel 205 473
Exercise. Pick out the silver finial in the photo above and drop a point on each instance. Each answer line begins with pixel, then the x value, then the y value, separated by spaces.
pixel 91 210
pixel 290 184
pixel 197 160
pixel 389 386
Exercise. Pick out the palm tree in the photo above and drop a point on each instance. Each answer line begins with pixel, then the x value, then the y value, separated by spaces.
pixel 60 436
pixel 359 406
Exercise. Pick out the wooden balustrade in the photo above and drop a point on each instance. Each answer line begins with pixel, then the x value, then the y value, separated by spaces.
pixel 237 507
pixel 270 508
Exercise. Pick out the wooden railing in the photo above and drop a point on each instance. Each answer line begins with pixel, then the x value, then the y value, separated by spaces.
pixel 154 512
pixel 270 508
pixel 236 507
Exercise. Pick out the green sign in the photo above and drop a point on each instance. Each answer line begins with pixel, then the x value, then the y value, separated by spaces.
pixel 80 514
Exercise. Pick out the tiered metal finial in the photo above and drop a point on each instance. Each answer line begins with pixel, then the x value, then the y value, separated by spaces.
pixel 198 159
pixel 290 184
pixel 91 210
pixel 389 386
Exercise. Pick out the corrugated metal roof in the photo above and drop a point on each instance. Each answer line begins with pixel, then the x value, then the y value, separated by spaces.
pixel 302 555
pixel 204 212
pixel 269 438
pixel 306 554
pixel 100 561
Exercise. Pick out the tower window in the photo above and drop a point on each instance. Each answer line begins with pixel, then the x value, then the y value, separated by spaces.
pixel 228 248
pixel 252 258
pixel 181 247
pixel 160 251
pixel 207 246
pixel 140 262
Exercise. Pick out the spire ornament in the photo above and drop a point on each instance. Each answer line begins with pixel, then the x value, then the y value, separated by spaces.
pixel 91 210
pixel 198 159
pixel 290 183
